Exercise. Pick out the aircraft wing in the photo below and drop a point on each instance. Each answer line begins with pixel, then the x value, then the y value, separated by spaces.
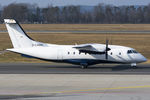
pixel 83 46
pixel 88 48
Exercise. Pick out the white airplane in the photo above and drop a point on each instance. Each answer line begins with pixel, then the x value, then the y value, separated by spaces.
pixel 84 54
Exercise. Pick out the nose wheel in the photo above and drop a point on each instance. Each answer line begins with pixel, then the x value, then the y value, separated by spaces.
pixel 133 65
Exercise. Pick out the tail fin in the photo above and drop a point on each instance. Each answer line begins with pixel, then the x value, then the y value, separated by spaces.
pixel 17 35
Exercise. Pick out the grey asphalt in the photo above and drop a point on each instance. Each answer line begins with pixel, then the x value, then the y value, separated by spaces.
pixel 84 31
pixel 46 68
pixel 50 81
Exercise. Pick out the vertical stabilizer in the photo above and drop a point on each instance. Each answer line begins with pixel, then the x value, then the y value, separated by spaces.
pixel 17 35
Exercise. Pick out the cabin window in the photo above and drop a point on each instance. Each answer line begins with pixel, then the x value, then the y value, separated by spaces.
pixel 111 53
pixel 119 53
pixel 68 53
pixel 79 53
pixel 74 53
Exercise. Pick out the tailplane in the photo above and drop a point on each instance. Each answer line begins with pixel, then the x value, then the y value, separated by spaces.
pixel 17 35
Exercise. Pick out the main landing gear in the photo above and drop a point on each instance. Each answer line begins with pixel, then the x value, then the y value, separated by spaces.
pixel 84 65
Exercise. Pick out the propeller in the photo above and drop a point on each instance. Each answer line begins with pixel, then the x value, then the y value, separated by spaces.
pixel 107 49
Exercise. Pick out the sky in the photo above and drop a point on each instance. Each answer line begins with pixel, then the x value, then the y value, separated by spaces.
pixel 45 3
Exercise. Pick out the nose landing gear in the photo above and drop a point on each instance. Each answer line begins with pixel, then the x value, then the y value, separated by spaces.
pixel 133 65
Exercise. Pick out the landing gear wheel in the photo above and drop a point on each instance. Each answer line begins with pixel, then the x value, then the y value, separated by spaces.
pixel 133 65
pixel 83 67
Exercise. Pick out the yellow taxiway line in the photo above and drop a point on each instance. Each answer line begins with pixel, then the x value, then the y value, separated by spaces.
pixel 90 90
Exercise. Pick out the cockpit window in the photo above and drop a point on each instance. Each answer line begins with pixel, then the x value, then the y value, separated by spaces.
pixel 135 51
pixel 131 51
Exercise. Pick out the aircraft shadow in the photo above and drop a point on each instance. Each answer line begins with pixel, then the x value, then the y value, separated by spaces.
pixel 119 67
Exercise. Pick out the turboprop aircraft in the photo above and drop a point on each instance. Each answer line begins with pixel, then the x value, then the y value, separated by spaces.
pixel 83 54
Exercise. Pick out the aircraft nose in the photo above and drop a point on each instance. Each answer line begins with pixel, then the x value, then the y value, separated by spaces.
pixel 142 58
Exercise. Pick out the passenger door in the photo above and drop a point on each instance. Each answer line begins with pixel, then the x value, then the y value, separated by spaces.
pixel 60 54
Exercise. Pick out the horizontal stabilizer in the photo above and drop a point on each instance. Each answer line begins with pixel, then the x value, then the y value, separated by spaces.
pixel 9 21
pixel 4 51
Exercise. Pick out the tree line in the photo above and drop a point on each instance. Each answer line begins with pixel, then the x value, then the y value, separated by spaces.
pixel 101 13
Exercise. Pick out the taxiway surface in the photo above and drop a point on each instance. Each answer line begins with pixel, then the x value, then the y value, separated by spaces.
pixel 24 81
pixel 46 68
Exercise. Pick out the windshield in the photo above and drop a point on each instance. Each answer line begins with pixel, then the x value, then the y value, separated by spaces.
pixel 131 51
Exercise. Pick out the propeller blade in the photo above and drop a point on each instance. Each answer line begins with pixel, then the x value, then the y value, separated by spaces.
pixel 107 49
pixel 106 55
